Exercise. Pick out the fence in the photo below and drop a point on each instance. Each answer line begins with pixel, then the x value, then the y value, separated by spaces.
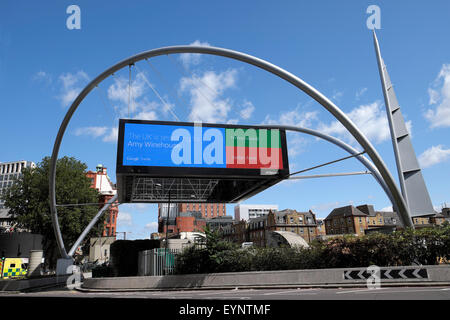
pixel 157 262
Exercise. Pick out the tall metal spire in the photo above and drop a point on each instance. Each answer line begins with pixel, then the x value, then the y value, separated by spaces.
pixel 412 183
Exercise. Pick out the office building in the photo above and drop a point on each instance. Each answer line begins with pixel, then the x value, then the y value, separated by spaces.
pixel 252 211
pixel 10 171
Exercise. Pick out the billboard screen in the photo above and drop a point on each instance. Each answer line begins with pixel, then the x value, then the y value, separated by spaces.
pixel 179 148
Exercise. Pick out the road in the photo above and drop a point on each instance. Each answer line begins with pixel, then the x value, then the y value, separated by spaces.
pixel 387 293
pixel 396 302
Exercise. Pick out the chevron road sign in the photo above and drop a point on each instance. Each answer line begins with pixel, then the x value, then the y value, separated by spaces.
pixel 390 274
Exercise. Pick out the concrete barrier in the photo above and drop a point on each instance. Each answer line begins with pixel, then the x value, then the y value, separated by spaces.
pixel 29 284
pixel 290 278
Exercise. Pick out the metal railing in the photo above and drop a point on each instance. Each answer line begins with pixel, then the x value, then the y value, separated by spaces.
pixel 157 262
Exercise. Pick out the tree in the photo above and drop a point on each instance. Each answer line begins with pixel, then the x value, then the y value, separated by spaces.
pixel 28 202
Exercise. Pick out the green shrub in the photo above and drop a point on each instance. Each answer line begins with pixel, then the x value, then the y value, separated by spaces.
pixel 425 246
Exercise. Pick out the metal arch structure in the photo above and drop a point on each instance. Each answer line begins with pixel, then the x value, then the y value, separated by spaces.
pixel 369 165
pixel 239 56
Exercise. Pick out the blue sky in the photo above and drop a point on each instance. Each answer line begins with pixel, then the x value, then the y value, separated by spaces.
pixel 43 65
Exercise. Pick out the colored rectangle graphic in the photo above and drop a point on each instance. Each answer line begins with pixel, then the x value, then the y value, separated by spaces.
pixel 173 146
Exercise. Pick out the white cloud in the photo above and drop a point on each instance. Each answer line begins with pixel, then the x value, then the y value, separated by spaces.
pixel 112 136
pixel 206 93
pixel 189 59
pixel 152 226
pixel 72 84
pixel 247 110
pixel 360 93
pixel 121 91
pixel 294 118
pixel 140 107
pixel 233 121
pixel 329 206
pixel 337 95
pixel 434 155
pixel 124 219
pixel 370 119
pixel 439 116
pixel 42 76
pixel 387 209
pixel 296 144
pixel 91 131
pixel 108 134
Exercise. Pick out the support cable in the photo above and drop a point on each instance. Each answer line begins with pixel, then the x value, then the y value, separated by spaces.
pixel 166 84
pixel 157 94
pixel 79 204
pixel 327 163
pixel 327 175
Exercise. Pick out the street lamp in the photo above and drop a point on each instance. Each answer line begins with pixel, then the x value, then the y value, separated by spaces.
pixel 167 236
pixel 159 186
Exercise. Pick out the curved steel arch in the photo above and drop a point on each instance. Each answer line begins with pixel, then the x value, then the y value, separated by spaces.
pixel 236 55
pixel 369 165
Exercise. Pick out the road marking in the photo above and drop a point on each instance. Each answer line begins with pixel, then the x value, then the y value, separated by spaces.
pixel 226 292
pixel 361 290
pixel 223 298
pixel 288 291
pixel 388 291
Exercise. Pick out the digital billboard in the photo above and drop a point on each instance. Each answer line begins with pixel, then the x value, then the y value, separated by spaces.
pixel 223 149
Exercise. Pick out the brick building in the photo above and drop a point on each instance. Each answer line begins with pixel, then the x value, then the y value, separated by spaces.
pixel 103 184
pixel 257 230
pixel 188 217
pixel 184 222
pixel 219 223
pixel 207 210
pixel 302 223
pixel 236 232
pixel 346 220
pixel 364 219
